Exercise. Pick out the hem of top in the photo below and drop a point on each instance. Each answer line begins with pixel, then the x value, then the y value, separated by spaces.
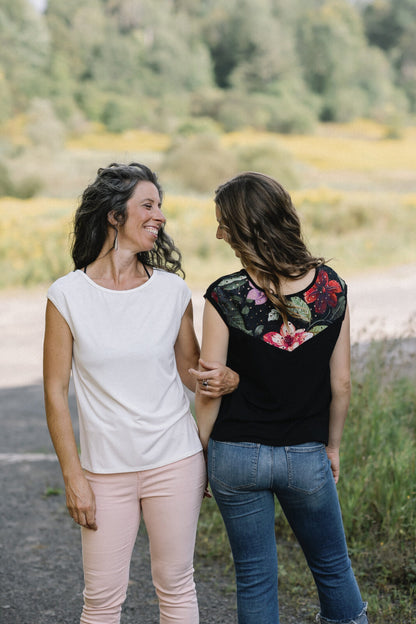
pixel 268 443
pixel 112 290
pixel 151 467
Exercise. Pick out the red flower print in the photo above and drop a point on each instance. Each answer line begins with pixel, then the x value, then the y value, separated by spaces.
pixel 289 337
pixel 214 296
pixel 323 292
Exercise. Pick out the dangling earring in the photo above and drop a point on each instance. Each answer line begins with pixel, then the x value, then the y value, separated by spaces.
pixel 115 246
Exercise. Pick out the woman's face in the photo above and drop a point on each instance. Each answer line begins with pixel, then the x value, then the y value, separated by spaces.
pixel 221 233
pixel 144 219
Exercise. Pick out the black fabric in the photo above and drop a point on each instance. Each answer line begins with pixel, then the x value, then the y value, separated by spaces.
pixel 284 392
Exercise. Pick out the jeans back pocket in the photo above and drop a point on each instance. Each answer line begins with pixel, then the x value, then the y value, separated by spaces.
pixel 233 464
pixel 308 466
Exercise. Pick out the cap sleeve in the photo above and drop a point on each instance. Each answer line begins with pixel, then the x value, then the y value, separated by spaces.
pixel 57 296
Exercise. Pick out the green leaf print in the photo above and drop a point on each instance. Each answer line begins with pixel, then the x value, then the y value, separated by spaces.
pixel 236 320
pixel 230 283
pixel 274 315
pixel 299 309
pixel 340 308
pixel 316 329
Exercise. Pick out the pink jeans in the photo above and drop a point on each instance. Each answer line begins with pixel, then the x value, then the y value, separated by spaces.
pixel 169 499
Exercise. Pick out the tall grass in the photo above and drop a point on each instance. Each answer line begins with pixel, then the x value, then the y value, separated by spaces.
pixel 377 490
pixel 34 240
pixel 358 146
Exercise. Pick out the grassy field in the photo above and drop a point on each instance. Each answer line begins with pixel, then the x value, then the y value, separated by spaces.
pixel 357 199
pixel 356 196
pixel 355 229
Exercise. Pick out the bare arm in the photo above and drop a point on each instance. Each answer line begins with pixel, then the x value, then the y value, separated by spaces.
pixel 187 348
pixel 341 392
pixel 220 379
pixel 214 348
pixel 57 359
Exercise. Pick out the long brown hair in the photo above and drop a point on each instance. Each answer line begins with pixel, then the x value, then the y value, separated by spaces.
pixel 263 228
pixel 110 191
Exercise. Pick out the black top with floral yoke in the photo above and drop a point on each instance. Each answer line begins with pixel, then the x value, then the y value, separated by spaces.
pixel 284 392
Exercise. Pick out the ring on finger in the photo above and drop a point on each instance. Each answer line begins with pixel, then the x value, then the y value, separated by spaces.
pixel 205 383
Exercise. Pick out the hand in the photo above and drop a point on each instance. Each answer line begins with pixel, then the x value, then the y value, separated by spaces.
pixel 215 379
pixel 80 501
pixel 333 456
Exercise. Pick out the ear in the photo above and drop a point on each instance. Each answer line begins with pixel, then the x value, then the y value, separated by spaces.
pixel 111 218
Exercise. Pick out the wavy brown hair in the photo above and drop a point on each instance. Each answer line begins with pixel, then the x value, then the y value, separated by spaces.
pixel 110 192
pixel 263 227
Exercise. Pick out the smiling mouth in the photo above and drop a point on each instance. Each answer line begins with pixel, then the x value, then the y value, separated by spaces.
pixel 153 231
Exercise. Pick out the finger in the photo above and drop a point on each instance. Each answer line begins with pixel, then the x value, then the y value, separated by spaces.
pixel 77 516
pixel 199 375
pixel 209 366
pixel 92 526
pixel 90 520
pixel 83 521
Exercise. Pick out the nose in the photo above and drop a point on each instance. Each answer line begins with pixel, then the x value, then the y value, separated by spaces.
pixel 158 215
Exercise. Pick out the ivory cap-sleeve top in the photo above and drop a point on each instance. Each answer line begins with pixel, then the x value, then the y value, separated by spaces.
pixel 132 407
pixel 284 392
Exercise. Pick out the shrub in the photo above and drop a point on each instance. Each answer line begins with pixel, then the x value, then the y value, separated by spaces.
pixel 43 126
pixel 269 158
pixel 198 162
pixel 25 189
pixel 198 125
pixel 6 185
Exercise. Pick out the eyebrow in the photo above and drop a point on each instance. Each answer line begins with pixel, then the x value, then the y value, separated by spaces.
pixel 149 199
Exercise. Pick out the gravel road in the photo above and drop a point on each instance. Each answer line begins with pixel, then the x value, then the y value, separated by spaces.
pixel 41 571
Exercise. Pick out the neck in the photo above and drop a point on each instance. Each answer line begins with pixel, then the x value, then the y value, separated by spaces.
pixel 118 270
pixel 287 285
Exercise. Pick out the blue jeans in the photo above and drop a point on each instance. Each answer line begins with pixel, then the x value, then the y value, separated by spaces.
pixel 244 478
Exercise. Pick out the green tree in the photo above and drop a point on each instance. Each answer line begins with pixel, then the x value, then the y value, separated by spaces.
pixel 338 65
pixel 24 52
pixel 391 26
pixel 124 53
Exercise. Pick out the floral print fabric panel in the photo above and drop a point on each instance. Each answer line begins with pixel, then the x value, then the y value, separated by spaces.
pixel 245 307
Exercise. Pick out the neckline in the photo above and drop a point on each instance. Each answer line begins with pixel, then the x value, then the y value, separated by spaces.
pixel 112 290
pixel 297 292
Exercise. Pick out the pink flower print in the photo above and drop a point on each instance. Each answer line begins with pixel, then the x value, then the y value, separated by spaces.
pixel 323 292
pixel 289 337
pixel 256 295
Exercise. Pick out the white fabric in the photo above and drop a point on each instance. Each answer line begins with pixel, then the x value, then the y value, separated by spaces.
pixel 133 410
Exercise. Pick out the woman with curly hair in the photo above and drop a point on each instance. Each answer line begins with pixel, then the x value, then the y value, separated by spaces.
pixel 282 323
pixel 122 321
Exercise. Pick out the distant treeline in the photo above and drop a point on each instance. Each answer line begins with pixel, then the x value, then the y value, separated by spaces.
pixel 276 65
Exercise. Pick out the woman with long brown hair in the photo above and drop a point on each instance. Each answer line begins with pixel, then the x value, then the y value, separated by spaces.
pixel 282 323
